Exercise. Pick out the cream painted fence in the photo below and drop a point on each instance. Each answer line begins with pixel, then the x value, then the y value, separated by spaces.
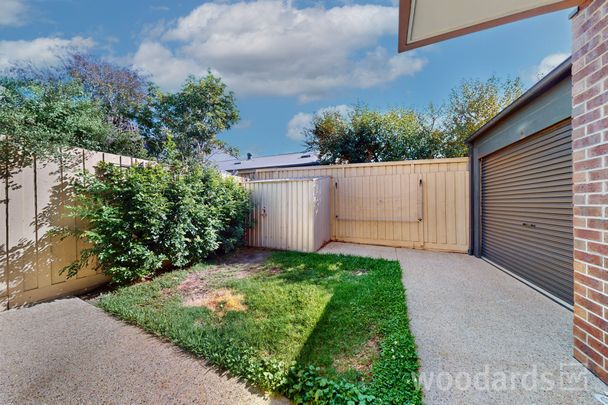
pixel 33 200
pixel 419 204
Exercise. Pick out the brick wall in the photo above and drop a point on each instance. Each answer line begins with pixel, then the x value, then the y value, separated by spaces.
pixel 590 160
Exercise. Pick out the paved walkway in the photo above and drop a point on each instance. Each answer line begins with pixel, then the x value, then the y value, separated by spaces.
pixel 483 337
pixel 68 351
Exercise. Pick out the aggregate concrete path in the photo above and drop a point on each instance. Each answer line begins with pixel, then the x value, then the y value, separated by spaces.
pixel 69 351
pixel 483 337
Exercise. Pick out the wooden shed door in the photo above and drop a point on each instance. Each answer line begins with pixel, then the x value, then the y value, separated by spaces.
pixel 526 192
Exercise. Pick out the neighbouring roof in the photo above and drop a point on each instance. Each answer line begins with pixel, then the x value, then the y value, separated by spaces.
pixel 553 77
pixel 261 162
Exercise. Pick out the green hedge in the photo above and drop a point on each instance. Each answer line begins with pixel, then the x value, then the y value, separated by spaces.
pixel 142 218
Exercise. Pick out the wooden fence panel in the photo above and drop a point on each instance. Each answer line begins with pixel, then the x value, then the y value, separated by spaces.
pixel 34 200
pixel 377 209
pixel 380 203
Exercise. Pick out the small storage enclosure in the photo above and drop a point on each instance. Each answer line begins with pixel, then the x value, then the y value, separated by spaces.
pixel 290 214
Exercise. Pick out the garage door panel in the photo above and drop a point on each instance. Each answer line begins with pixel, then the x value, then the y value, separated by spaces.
pixel 519 171
pixel 543 257
pixel 548 283
pixel 532 159
pixel 532 178
pixel 539 277
pixel 510 262
pixel 532 144
pixel 530 162
pixel 537 167
pixel 543 147
pixel 526 191
pixel 539 221
pixel 529 175
pixel 526 210
pixel 547 248
pixel 548 232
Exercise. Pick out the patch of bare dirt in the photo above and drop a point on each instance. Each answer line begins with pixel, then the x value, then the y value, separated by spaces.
pixel 204 288
pixel 274 271
pixel 219 301
pixel 245 262
pixel 249 256
pixel 361 361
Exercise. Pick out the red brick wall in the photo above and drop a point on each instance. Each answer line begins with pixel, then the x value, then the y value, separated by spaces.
pixel 590 160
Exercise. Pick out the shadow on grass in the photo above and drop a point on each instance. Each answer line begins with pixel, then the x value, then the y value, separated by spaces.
pixel 362 334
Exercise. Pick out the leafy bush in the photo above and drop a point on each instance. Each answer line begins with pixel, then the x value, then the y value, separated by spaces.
pixel 141 218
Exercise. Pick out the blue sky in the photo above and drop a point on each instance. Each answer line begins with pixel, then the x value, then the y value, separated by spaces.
pixel 284 60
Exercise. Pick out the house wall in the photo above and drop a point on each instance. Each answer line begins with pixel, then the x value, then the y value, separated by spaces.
pixel 550 107
pixel 590 176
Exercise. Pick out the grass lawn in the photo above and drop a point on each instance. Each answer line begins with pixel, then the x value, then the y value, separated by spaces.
pixel 317 328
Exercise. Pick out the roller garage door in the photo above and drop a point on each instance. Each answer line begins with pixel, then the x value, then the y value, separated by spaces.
pixel 526 210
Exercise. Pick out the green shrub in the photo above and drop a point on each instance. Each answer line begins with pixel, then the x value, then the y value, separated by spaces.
pixel 141 218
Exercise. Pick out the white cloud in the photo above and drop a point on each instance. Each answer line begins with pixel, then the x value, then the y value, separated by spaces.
pixel 549 63
pixel 273 48
pixel 12 12
pixel 299 122
pixel 168 71
pixel 40 51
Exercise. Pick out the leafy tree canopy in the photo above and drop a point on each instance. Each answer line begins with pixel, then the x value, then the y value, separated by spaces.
pixel 90 103
pixel 364 135
pixel 193 116
pixel 119 90
pixel 41 118
pixel 471 105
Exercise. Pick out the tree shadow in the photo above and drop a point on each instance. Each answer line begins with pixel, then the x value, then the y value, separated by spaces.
pixel 339 331
pixel 35 198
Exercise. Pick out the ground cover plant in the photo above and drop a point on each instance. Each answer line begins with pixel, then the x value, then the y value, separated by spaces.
pixel 316 328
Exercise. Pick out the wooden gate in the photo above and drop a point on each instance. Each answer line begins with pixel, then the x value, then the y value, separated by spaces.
pixel 373 208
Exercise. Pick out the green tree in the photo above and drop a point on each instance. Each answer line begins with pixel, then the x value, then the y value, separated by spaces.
pixel 403 134
pixel 119 90
pixel 142 218
pixel 363 136
pixel 472 104
pixel 43 118
pixel 193 116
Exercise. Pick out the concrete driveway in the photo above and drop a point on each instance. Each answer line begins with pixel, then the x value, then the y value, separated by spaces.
pixel 483 337
pixel 68 351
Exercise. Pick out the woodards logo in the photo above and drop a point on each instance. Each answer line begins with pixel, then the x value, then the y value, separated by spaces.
pixel 571 377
